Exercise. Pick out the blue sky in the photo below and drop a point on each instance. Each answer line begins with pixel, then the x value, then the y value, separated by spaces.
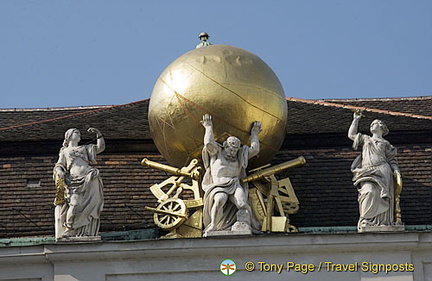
pixel 57 53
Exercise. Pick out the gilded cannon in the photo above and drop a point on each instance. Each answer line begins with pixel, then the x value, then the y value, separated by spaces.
pixel 279 196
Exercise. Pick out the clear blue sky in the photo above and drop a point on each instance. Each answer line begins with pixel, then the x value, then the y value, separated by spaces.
pixel 57 53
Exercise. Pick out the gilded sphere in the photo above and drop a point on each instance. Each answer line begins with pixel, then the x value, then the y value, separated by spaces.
pixel 234 86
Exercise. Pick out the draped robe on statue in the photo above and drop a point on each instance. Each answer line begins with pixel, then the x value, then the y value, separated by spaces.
pixel 228 186
pixel 79 215
pixel 374 165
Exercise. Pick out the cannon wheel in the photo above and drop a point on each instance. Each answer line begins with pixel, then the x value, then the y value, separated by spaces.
pixel 174 215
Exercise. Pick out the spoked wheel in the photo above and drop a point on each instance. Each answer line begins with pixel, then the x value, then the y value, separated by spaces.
pixel 170 213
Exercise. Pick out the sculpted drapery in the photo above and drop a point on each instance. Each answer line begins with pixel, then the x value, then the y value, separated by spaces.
pixel 78 214
pixel 374 173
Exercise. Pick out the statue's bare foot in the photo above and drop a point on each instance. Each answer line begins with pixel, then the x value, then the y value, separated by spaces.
pixel 210 227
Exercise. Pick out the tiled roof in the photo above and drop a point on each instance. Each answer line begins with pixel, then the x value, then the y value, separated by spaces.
pixel 129 121
pixel 311 116
pixel 16 116
pixel 410 105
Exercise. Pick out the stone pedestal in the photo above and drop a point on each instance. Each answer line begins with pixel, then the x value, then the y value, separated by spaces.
pixel 227 233
pixel 80 239
pixel 391 228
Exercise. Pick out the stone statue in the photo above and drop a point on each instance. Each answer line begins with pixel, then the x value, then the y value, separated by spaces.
pixel 226 206
pixel 375 173
pixel 203 37
pixel 79 198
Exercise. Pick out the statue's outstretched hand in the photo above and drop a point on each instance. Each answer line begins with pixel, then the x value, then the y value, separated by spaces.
pixel 256 128
pixel 207 121
pixel 357 114
pixel 95 131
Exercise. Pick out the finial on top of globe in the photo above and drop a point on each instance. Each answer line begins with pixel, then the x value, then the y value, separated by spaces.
pixel 234 86
pixel 203 36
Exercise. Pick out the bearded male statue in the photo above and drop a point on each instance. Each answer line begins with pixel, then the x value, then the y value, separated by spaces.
pixel 226 203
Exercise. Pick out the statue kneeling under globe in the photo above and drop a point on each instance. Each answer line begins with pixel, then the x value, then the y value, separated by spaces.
pixel 226 206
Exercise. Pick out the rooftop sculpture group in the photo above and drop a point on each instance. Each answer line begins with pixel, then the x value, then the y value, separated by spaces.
pixel 213 197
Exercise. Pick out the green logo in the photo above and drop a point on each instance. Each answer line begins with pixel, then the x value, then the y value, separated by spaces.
pixel 228 267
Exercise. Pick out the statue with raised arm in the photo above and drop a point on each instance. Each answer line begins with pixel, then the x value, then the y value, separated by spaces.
pixel 376 175
pixel 226 205
pixel 79 198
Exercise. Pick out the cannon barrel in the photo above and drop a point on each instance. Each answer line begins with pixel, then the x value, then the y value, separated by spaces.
pixel 166 168
pixel 275 169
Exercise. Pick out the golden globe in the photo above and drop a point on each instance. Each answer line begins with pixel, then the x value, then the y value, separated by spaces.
pixel 234 86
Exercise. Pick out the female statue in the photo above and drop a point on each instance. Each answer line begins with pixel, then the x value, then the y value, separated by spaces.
pixel 374 173
pixel 79 198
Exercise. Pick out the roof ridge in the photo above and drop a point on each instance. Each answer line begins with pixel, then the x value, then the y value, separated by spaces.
pixel 71 115
pixel 54 108
pixel 382 99
pixel 394 113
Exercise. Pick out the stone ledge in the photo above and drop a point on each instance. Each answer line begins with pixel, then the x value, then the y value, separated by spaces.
pixel 197 258
pixel 391 228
